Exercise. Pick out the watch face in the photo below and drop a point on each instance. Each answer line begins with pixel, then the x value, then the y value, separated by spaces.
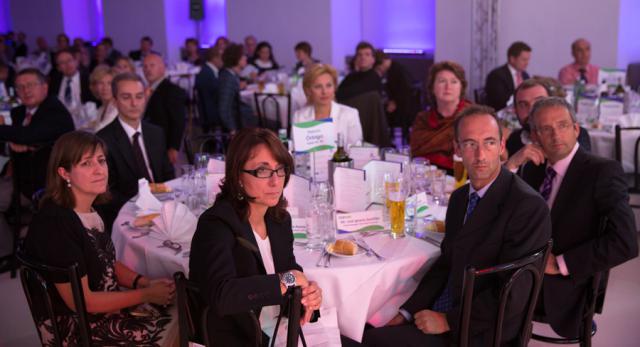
pixel 289 279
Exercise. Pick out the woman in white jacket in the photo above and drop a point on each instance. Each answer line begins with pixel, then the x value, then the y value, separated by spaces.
pixel 319 84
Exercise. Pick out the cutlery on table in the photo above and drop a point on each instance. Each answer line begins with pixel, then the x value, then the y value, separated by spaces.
pixel 176 247
pixel 321 258
pixel 363 244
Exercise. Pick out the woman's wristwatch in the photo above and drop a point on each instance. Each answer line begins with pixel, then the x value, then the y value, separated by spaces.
pixel 288 279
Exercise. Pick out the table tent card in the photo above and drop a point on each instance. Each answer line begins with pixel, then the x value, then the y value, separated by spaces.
pixel 298 194
pixel 610 111
pixel 351 189
pixel 215 166
pixel 316 137
pixel 397 158
pixel 375 171
pixel 361 155
pixel 299 228
pixel 587 109
pixel 612 77
pixel 359 221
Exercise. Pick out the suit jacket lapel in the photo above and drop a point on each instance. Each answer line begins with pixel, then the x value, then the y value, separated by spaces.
pixel 488 207
pixel 570 183
pixel 124 145
pixel 152 152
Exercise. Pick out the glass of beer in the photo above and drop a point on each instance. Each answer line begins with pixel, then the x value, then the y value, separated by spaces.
pixel 459 172
pixel 396 200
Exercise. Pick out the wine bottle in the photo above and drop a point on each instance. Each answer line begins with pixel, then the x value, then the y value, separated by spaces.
pixel 340 155
pixel 619 89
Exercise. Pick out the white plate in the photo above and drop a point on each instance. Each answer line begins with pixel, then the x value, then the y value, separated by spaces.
pixel 329 249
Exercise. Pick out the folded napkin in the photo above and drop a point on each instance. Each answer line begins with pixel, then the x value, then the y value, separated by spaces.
pixel 146 202
pixel 176 223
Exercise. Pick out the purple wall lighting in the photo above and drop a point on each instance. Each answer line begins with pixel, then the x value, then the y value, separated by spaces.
pixel 5 16
pixel 404 24
pixel 82 19
pixel 215 21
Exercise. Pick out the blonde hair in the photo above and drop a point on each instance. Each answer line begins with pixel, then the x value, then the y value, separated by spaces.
pixel 99 72
pixel 313 73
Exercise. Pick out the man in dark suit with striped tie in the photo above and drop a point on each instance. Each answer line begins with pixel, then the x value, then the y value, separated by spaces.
pixel 593 225
pixel 135 148
pixel 35 126
pixel 495 219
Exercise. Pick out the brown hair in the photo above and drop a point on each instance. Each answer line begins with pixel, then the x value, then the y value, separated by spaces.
pixel 303 46
pixel 516 48
pixel 314 72
pixel 66 153
pixel 125 76
pixel 446 65
pixel 232 55
pixel 240 150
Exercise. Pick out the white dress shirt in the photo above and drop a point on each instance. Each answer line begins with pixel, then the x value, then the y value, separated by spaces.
pixel 268 314
pixel 345 118
pixel 110 114
pixel 130 132
pixel 75 91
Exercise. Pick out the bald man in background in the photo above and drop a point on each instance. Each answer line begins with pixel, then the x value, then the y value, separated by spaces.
pixel 580 69
pixel 167 104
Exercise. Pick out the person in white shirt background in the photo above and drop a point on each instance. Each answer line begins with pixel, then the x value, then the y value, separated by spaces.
pixel 319 86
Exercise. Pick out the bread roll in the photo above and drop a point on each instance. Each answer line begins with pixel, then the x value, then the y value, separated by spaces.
pixel 345 247
pixel 144 221
pixel 159 188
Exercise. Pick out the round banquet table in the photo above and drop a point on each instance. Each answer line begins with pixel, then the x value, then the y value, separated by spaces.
pixel 603 144
pixel 360 288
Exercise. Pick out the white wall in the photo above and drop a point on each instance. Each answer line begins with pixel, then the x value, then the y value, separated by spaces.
pixel 453 31
pixel 283 23
pixel 127 21
pixel 37 18
pixel 346 30
pixel 178 27
pixel 550 26
pixel 629 33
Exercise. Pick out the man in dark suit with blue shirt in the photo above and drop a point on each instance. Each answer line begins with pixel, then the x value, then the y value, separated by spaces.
pixel 503 81
pixel 207 90
pixel 495 219
pixel 593 225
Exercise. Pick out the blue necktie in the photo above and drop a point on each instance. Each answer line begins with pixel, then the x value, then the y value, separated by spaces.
pixel 444 302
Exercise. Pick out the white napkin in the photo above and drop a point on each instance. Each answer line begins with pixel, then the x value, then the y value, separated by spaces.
pixel 146 202
pixel 176 222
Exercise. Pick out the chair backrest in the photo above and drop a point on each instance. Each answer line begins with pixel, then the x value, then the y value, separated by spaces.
pixel 373 119
pixel 273 120
pixel 192 312
pixel 480 96
pixel 533 264
pixel 38 293
pixel 618 151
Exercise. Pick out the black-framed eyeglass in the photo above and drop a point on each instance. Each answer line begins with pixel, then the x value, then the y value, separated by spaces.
pixel 264 172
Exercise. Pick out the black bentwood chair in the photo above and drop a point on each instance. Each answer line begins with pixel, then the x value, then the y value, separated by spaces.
pixel 192 312
pixel 39 296
pixel 532 264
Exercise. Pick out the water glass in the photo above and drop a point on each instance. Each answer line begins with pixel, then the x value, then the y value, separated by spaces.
pixel 321 220
pixel 201 161
pixel 438 185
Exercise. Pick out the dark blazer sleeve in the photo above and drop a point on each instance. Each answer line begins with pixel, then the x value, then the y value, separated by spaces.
pixel 527 229
pixel 227 100
pixel 175 106
pixel 49 122
pixel 584 139
pixel 499 87
pixel 617 241
pixel 216 272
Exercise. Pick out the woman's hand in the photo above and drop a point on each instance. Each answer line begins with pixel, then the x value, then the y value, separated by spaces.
pixel 311 300
pixel 160 292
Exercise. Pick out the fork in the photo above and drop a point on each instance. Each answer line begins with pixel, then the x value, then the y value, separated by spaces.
pixel 322 255
pixel 368 248
pixel 327 260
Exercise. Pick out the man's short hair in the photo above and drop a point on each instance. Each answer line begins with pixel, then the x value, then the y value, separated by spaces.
pixel 107 40
pixel 475 110
pixel 550 102
pixel 33 71
pixel 365 45
pixel 146 38
pixel 212 52
pixel 70 50
pixel 125 76
pixel 574 44
pixel 516 48
pixel 530 83
pixel 303 46
pixel 232 55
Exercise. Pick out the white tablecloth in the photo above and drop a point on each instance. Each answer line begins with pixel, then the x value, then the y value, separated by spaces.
pixel 361 289
pixel 603 144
